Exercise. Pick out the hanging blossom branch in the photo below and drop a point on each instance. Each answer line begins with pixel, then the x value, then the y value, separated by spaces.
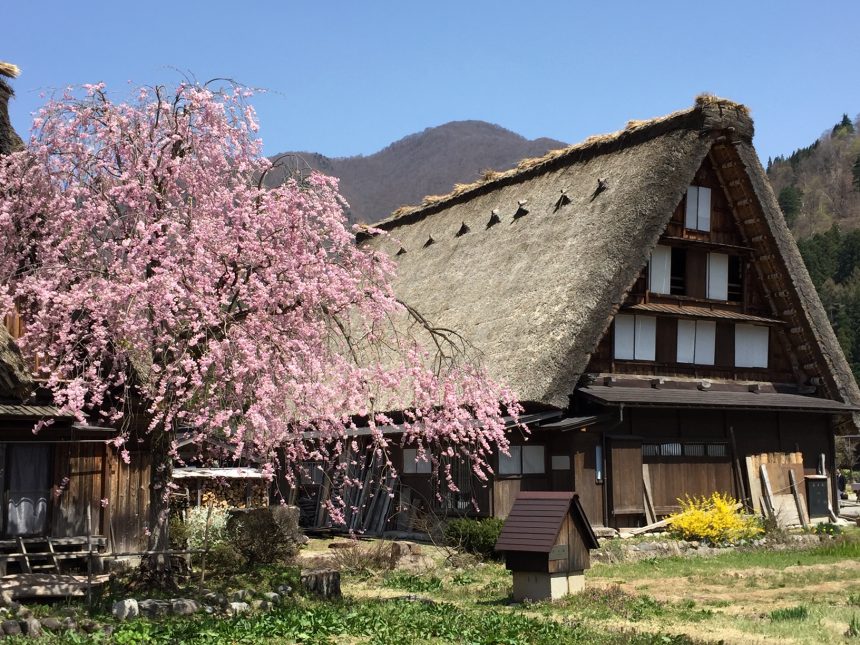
pixel 158 277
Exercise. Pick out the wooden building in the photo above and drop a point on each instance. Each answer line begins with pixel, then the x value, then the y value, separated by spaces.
pixel 66 480
pixel 642 295
pixel 546 540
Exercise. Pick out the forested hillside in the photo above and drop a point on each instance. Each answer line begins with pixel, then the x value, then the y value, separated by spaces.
pixel 819 186
pixel 819 192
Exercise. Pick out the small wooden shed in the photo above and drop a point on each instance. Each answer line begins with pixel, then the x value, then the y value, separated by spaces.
pixel 546 540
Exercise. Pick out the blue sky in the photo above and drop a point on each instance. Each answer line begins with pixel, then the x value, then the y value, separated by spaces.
pixel 347 78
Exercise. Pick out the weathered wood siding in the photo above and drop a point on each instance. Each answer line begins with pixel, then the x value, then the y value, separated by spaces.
pixel 82 466
pixel 128 510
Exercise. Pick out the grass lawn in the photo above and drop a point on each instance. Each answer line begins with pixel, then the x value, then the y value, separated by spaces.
pixel 809 596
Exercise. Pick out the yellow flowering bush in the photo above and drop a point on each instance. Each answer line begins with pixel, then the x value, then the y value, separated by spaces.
pixel 715 519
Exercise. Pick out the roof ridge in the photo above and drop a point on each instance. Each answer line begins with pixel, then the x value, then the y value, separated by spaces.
pixel 703 102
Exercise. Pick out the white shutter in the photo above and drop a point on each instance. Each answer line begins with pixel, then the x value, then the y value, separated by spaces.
pixel 718 276
pixel 624 336
pixel 646 338
pixel 686 341
pixel 706 335
pixel 704 209
pixel 533 460
pixel 660 271
pixel 510 465
pixel 691 220
pixel 751 345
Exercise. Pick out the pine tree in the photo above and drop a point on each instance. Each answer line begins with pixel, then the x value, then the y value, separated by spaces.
pixel 845 126
pixel 855 169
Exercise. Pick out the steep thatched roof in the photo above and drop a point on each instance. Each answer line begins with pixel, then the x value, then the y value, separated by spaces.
pixel 9 140
pixel 530 265
pixel 15 381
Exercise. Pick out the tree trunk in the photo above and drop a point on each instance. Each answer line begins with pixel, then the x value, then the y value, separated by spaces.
pixel 158 564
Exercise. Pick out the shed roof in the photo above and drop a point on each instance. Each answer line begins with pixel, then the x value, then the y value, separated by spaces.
pixel 551 248
pixel 536 518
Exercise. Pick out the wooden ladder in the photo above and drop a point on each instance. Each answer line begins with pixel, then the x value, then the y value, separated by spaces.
pixel 49 562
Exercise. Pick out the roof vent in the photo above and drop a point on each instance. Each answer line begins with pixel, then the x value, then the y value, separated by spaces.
pixel 563 200
pixel 429 241
pixel 494 218
pixel 401 251
pixel 522 211
pixel 463 230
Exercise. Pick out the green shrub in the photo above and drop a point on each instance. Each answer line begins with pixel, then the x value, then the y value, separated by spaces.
pixel 853 628
pixel 264 535
pixel 411 582
pixel 789 613
pixel 474 536
pixel 195 526
pixel 827 528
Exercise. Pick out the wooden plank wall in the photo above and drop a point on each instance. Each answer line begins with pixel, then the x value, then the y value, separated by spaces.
pixel 128 511
pixel 83 465
pixel 695 478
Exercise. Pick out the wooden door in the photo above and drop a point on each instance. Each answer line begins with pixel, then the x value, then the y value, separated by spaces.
pixel 627 496
pixel 588 477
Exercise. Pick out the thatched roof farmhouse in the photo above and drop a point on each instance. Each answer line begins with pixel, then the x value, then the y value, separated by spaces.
pixel 645 286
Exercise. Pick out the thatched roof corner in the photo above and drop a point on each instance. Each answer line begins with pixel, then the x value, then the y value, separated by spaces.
pixel 709 114
pixel 9 139
pixel 9 70
pixel 15 380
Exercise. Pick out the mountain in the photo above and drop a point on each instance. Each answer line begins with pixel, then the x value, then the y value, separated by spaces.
pixel 426 163
pixel 819 186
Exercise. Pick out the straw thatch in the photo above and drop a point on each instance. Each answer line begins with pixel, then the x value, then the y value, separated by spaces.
pixel 9 140
pixel 535 293
pixel 15 381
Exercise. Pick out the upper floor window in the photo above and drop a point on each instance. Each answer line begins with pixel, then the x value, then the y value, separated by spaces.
pixel 698 214
pixel 414 466
pixel 696 341
pixel 635 337
pixel 523 460
pixel 751 345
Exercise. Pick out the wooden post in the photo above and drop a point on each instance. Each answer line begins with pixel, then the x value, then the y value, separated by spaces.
pixel 205 547
pixel 801 512
pixel 89 555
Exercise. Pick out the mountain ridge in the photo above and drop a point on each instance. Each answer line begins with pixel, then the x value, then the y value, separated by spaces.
pixel 423 163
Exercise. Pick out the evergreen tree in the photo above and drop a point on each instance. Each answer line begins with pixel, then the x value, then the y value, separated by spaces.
pixel 855 169
pixel 845 126
pixel 790 201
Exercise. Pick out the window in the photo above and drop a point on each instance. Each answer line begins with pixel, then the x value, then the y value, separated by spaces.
pixel 698 214
pixel 676 449
pixel 678 279
pixel 696 341
pixel 659 270
pixel 736 279
pixel 523 460
pixel 751 345
pixel 635 337
pixel 718 276
pixel 412 465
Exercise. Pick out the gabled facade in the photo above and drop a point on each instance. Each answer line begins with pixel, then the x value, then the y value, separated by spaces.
pixel 642 292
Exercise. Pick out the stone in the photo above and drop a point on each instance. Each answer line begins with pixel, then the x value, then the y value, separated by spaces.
pixel 284 590
pixel 89 626
pixel 184 607
pixel 11 627
pixel 238 608
pixel 256 605
pixel 265 605
pixel 240 595
pixel 52 624
pixel 324 583
pixel 272 597
pixel 108 630
pixel 125 609
pixel 31 627
pixel 6 599
pixel 216 599
pixel 154 608
pixel 70 623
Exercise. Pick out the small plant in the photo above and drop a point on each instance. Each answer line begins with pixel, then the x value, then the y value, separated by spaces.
pixel 474 536
pixel 412 583
pixel 853 628
pixel 827 528
pixel 363 558
pixel 714 520
pixel 464 578
pixel 854 600
pixel 790 613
